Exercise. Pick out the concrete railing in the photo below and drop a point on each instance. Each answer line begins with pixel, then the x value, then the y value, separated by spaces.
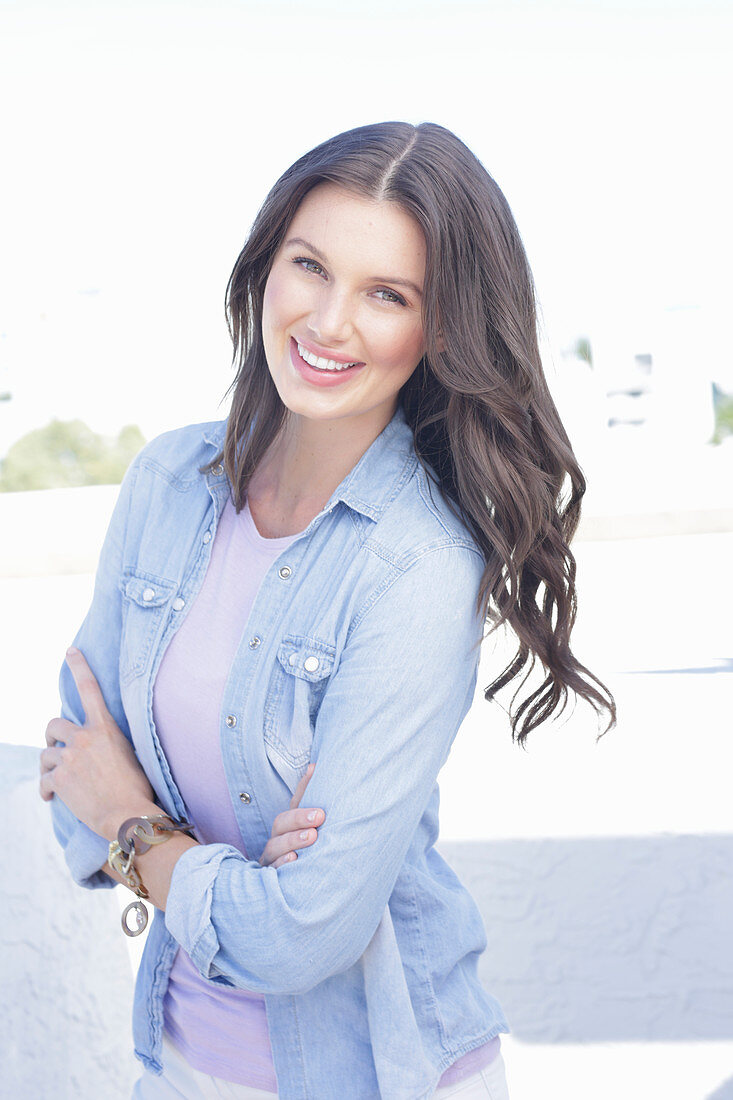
pixel 60 531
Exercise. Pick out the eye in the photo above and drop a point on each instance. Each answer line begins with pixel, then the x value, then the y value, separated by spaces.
pixel 396 299
pixel 304 262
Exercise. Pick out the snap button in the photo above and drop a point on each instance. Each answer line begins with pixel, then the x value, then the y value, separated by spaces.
pixel 218 470
pixel 254 642
pixel 178 604
pixel 207 536
pixel 231 721
pixel 149 594
pixel 244 797
pixel 284 572
pixel 310 664
pixel 292 659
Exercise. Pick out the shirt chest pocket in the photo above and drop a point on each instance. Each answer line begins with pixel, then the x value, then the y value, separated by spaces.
pixel 145 600
pixel 299 679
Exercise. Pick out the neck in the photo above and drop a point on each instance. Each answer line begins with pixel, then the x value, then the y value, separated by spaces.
pixel 306 461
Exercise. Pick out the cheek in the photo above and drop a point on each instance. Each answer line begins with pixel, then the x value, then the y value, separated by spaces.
pixel 401 350
pixel 285 299
pixel 273 302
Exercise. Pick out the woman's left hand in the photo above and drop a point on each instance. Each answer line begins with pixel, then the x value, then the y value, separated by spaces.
pixel 94 770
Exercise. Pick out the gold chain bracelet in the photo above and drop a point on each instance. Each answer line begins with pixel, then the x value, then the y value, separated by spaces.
pixel 134 837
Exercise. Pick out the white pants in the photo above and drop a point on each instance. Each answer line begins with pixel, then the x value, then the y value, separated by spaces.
pixel 180 1081
pixel 487 1084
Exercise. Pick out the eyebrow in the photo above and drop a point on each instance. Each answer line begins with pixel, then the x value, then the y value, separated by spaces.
pixel 379 279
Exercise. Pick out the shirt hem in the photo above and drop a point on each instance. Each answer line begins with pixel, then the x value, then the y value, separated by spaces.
pixel 501 1028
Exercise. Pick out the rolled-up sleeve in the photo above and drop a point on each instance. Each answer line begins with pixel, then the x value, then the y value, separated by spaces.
pixel 404 683
pixel 98 638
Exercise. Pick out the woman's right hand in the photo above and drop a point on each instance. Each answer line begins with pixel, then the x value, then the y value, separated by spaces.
pixel 293 828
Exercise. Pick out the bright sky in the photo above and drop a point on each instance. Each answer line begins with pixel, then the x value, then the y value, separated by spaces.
pixel 139 139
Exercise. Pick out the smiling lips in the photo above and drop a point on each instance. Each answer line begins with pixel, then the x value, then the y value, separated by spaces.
pixel 318 370
pixel 320 363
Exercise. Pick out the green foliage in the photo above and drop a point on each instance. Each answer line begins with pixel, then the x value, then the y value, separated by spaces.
pixel 723 414
pixel 583 350
pixel 67 453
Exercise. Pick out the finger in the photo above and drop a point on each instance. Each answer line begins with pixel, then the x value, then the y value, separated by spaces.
pixel 50 759
pixel 60 731
pixel 46 786
pixel 89 690
pixel 293 841
pixel 300 789
pixel 278 847
pixel 289 820
pixel 285 859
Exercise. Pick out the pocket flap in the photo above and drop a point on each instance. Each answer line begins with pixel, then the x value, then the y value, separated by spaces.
pixel 146 590
pixel 306 658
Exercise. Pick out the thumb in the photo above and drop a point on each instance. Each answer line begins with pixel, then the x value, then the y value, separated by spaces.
pixel 300 789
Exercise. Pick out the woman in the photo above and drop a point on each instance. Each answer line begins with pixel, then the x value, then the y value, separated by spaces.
pixel 307 583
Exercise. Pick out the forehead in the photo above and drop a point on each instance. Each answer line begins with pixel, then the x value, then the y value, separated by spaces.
pixel 381 236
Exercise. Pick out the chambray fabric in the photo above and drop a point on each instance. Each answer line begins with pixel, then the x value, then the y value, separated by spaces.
pixel 362 657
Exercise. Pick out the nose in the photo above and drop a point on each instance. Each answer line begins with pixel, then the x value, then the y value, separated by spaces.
pixel 330 321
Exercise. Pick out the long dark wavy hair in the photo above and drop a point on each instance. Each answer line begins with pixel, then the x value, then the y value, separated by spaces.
pixel 482 415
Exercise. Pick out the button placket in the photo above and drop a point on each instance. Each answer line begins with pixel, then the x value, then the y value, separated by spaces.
pixel 178 603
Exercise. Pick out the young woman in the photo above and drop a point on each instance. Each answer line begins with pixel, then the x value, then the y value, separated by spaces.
pixel 298 594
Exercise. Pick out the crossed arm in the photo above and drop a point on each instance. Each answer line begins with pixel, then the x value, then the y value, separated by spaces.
pixel 94 771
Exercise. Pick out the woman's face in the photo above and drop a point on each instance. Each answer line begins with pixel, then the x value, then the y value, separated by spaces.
pixel 345 287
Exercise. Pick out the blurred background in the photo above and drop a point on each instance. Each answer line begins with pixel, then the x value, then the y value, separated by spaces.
pixel 138 141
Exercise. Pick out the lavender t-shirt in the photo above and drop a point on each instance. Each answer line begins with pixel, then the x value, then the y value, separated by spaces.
pixel 220 1030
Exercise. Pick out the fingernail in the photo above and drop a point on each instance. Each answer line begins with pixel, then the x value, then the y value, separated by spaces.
pixel 72 651
pixel 312 815
pixel 305 835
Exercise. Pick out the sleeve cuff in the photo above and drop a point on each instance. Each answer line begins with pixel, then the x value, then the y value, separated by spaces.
pixel 190 896
pixel 85 852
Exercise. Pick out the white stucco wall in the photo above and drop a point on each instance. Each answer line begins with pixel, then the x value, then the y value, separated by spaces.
pixel 66 989
pixel 597 939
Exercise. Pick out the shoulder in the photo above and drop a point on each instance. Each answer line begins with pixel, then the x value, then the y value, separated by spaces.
pixel 424 570
pixel 422 561
pixel 419 521
pixel 177 455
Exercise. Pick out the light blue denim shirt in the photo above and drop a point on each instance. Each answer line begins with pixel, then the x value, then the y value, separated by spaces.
pixel 360 654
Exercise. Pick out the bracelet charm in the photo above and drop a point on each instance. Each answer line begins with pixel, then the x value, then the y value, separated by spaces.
pixel 140 920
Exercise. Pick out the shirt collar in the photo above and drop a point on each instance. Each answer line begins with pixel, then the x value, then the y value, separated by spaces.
pixel 378 475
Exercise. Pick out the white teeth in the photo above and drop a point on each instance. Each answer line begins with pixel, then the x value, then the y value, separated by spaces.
pixel 319 362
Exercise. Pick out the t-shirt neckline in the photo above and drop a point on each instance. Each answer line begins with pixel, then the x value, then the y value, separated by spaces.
pixel 254 535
